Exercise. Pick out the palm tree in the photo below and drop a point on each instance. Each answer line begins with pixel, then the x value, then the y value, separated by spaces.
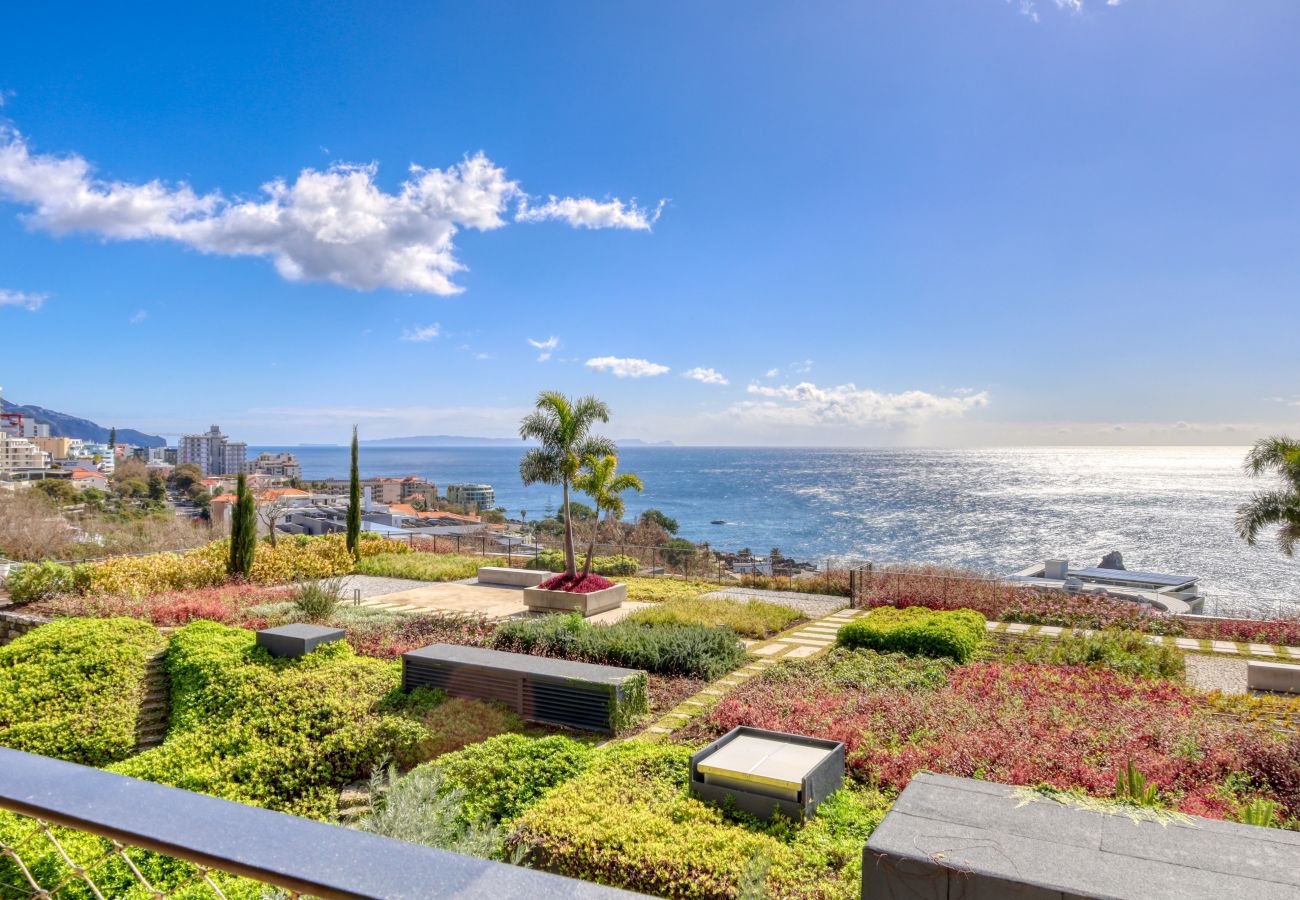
pixel 563 428
pixel 1279 455
pixel 601 481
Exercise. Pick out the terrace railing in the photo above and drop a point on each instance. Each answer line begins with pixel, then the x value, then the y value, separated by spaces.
pixel 43 851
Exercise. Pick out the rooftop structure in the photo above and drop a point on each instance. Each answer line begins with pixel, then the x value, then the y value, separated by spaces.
pixel 1169 593
pixel 284 465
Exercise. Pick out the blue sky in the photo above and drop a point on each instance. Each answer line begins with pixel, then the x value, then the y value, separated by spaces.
pixel 923 222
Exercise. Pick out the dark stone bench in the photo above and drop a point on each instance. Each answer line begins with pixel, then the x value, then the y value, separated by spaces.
pixel 298 639
pixel 956 837
pixel 538 688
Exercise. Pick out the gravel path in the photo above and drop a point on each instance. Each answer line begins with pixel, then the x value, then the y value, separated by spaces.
pixel 374 586
pixel 813 605
pixel 1216 673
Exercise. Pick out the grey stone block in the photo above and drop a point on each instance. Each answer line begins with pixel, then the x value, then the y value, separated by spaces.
pixel 951 838
pixel 293 641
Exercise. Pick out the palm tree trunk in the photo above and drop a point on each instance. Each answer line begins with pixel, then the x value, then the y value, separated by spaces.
pixel 570 561
pixel 591 546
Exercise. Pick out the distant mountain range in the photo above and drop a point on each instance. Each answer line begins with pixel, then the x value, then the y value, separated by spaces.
pixel 64 425
pixel 456 440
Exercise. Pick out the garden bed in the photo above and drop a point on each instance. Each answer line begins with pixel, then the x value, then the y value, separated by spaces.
pixel 1071 727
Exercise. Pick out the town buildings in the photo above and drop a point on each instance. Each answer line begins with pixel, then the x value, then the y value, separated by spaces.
pixel 384 490
pixel 213 452
pixel 283 465
pixel 19 456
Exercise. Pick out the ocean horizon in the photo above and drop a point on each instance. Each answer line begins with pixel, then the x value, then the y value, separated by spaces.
pixel 996 510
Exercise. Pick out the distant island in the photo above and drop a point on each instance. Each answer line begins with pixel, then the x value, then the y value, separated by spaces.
pixel 456 440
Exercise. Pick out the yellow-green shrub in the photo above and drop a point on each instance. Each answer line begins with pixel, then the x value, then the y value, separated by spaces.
pixel 753 618
pixel 916 630
pixel 630 821
pixel 72 689
pixel 662 588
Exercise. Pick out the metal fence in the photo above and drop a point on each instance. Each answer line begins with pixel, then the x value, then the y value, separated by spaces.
pixel 80 830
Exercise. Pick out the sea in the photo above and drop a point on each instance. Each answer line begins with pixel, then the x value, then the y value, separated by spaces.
pixel 1166 509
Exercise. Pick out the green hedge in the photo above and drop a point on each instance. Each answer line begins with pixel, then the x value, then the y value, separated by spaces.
pixel 72 689
pixel 751 618
pixel 916 630
pixel 695 650
pixel 280 733
pixel 630 821
pixel 609 566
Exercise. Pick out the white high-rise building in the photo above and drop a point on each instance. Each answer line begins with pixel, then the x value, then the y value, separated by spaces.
pixel 213 452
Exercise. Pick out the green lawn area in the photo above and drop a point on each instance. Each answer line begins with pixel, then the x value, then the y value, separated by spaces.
pixel 424 566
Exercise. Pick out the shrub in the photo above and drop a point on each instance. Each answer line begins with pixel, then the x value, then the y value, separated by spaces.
pixel 317 598
pixel 578 584
pixel 423 566
pixel 293 559
pixel 1285 632
pixel 1275 766
pixel 505 775
pixel 226 603
pixel 661 588
pixel 862 671
pixel 460 722
pixel 372 544
pixel 72 689
pixel 609 566
pixel 1128 652
pixel 755 618
pixel 630 821
pixel 666 649
pixel 955 634
pixel 834 583
pixel 280 733
pixel 422 809
pixel 39 581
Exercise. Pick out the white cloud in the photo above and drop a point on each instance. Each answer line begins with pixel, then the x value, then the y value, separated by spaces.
pixel 584 212
pixel 806 404
pixel 801 368
pixel 707 376
pixel 623 367
pixel 1029 8
pixel 421 333
pixel 547 347
pixel 772 373
pixel 138 316
pixel 28 301
pixel 335 225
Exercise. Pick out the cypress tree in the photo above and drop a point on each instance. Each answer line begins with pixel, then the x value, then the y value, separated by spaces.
pixel 112 438
pixel 354 500
pixel 243 532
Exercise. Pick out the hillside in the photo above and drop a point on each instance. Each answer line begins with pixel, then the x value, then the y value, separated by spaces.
pixel 64 425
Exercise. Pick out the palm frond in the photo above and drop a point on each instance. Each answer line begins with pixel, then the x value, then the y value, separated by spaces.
pixel 540 465
pixel 1264 509
pixel 1275 454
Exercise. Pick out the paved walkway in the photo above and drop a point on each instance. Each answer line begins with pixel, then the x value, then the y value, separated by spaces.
pixel 469 598
pixel 803 642
pixel 1200 645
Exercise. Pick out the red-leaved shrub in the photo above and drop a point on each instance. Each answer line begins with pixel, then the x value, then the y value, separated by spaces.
pixel 578 584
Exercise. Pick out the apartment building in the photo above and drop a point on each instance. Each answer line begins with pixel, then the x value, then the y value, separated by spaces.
pixel 213 452
pixel 480 496
pixel 18 455
pixel 385 490
pixel 284 465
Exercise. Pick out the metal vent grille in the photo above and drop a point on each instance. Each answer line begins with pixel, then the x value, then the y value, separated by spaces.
pixel 575 705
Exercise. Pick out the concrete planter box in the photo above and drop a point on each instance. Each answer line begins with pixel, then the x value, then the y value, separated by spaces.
pixel 544 601
pixel 511 577
pixel 765 772
pixel 1276 677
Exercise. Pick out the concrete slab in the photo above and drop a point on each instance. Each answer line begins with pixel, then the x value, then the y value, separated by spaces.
pixel 493 601
pixel 771 649
pixel 955 837
pixel 1224 647
pixel 802 652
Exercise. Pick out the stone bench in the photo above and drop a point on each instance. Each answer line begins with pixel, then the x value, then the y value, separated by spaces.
pixel 512 577
pixel 538 688
pixel 951 837
pixel 1270 676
